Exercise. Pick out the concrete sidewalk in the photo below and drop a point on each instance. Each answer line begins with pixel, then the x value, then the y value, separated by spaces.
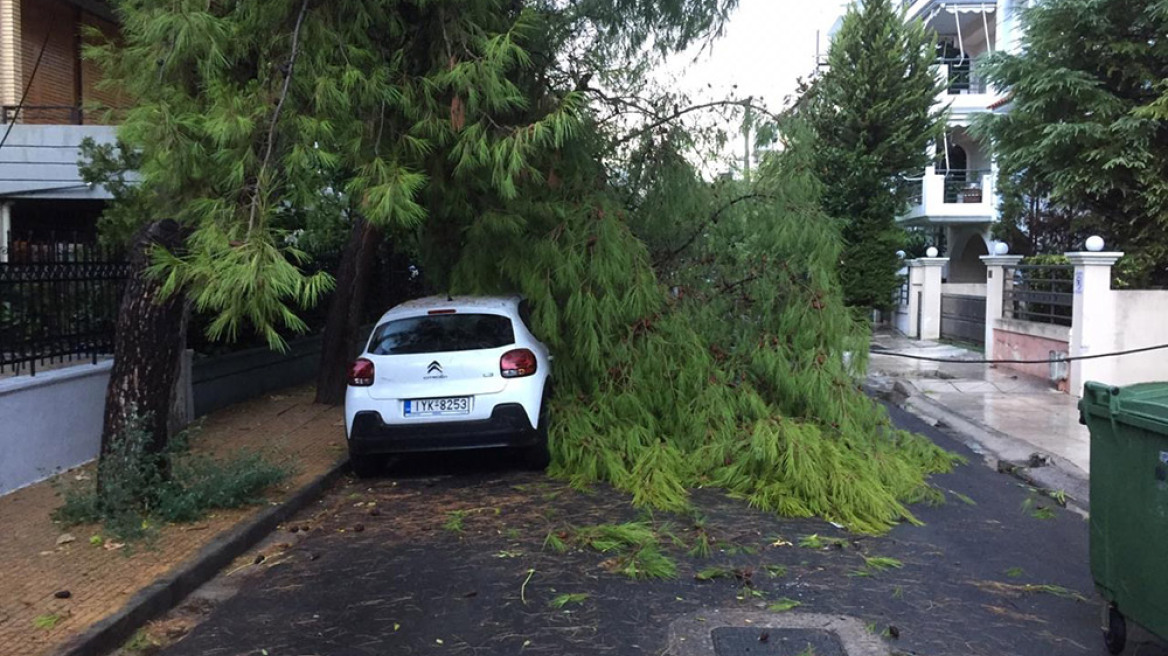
pixel 42 558
pixel 1011 416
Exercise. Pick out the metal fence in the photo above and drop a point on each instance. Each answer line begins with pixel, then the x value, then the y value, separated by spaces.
pixel 42 114
pixel 1042 293
pixel 900 294
pixel 59 299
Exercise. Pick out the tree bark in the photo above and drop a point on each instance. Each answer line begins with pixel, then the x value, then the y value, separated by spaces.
pixel 346 310
pixel 150 338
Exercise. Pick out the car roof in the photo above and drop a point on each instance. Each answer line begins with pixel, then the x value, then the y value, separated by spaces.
pixel 506 304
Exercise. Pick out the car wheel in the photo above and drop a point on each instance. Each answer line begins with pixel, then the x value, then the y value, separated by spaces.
pixel 538 456
pixel 365 466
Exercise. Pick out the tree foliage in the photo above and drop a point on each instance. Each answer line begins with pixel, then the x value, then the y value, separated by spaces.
pixel 1085 137
pixel 741 379
pixel 873 112
pixel 479 136
pixel 247 112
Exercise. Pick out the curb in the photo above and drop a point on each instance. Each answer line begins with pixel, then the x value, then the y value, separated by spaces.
pixel 1060 475
pixel 169 590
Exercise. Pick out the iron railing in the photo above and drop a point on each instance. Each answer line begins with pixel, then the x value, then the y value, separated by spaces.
pixel 42 114
pixel 1042 293
pixel 964 76
pixel 59 298
pixel 916 191
pixel 965 185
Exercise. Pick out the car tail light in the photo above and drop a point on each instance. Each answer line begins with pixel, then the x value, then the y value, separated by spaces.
pixel 517 363
pixel 361 373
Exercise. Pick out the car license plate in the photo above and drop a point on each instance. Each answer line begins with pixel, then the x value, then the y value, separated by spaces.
pixel 459 405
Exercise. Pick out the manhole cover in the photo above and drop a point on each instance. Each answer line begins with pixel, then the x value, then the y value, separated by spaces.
pixel 739 641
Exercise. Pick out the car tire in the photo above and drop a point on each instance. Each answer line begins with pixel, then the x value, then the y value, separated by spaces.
pixel 365 466
pixel 538 456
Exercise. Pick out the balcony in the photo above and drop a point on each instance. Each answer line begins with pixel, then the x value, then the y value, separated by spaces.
pixel 961 196
pixel 965 91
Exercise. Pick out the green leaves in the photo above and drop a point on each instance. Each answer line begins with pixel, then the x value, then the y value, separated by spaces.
pixel 563 600
pixel 389 193
pixel 873 117
pixel 260 118
pixel 1081 150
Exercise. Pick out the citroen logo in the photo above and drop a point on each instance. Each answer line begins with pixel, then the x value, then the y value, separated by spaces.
pixel 434 367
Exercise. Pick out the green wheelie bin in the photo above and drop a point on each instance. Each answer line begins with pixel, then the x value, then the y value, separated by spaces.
pixel 1129 505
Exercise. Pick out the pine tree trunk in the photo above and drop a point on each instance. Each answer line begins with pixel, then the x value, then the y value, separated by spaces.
pixel 346 310
pixel 150 339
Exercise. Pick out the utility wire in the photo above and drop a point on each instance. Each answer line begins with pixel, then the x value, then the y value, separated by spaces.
pixel 877 351
pixel 24 96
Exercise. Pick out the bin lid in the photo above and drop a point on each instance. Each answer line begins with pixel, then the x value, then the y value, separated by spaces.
pixel 1145 404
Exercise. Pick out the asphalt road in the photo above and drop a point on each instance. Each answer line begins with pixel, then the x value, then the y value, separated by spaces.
pixel 446 556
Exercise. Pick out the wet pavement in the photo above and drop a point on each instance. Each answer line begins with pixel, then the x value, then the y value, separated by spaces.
pixel 1026 408
pixel 448 556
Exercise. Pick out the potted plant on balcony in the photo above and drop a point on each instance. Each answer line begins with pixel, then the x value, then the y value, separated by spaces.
pixel 972 191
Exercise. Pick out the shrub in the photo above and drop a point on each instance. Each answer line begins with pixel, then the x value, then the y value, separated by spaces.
pixel 138 489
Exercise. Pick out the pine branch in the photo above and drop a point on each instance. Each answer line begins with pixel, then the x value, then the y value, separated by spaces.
pixel 255 199
pixel 712 220
pixel 728 287
pixel 678 113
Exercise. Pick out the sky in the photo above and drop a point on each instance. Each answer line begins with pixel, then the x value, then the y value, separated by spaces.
pixel 767 46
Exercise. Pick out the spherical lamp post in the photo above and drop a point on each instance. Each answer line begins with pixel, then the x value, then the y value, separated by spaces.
pixel 1095 243
pixel 931 252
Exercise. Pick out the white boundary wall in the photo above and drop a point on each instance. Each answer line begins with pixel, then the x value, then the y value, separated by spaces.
pixel 1141 319
pixel 50 422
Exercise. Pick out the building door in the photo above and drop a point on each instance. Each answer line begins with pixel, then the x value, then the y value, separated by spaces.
pixel 954 165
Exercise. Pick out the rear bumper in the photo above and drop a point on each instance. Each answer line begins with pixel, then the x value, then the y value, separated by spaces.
pixel 508 426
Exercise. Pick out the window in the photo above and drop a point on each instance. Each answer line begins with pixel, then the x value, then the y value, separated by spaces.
pixel 440 333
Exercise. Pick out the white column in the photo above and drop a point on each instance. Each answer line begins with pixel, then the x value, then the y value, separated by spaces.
pixel 5 229
pixel 930 288
pixel 1093 318
pixel 10 55
pixel 995 293
pixel 916 281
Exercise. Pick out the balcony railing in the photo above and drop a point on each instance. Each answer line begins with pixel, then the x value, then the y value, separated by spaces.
pixel 42 114
pixel 962 76
pixel 956 195
pixel 964 186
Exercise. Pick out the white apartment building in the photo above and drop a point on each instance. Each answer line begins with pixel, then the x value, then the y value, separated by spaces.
pixel 955 201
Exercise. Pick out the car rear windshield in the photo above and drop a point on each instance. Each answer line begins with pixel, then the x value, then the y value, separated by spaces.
pixel 442 332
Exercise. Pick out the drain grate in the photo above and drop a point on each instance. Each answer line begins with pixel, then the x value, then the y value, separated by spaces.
pixel 759 641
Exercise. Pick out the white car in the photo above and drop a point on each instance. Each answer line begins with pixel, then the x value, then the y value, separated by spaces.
pixel 441 374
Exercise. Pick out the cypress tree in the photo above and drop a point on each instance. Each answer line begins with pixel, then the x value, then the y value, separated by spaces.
pixel 873 112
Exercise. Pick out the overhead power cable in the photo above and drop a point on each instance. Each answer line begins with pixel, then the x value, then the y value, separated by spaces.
pixel 925 358
pixel 27 86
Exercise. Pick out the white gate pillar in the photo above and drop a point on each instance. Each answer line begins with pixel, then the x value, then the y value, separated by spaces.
pixel 1092 317
pixel 996 285
pixel 930 296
